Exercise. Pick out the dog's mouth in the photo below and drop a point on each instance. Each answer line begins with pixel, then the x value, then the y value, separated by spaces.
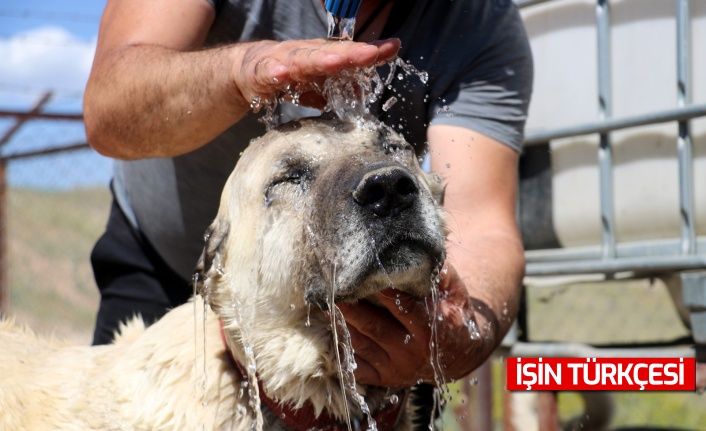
pixel 402 256
pixel 406 265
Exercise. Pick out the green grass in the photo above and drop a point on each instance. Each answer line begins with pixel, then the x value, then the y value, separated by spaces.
pixel 50 237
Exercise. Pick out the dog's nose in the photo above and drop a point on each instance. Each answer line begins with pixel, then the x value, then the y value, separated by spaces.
pixel 386 191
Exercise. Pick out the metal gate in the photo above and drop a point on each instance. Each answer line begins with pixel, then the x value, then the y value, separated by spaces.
pixel 682 256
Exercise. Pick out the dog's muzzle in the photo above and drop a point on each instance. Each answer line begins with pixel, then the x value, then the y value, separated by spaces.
pixel 386 191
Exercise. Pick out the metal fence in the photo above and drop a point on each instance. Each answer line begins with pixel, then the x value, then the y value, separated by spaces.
pixel 644 258
pixel 681 259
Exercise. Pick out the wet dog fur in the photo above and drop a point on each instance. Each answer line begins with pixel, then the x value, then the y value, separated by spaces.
pixel 317 210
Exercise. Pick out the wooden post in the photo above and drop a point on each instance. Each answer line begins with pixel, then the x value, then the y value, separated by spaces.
pixel 4 279
pixel 548 411
pixel 476 413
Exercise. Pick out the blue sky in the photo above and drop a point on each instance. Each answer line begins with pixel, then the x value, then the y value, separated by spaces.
pixel 48 45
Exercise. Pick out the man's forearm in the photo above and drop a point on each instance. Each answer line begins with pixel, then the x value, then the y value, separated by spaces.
pixel 149 101
pixel 491 265
pixel 482 288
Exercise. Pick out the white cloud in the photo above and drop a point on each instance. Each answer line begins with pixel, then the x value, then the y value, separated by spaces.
pixel 45 58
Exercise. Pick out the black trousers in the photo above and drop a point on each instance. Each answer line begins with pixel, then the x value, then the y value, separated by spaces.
pixel 132 278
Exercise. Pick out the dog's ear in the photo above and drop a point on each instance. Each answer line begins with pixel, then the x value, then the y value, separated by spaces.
pixel 210 265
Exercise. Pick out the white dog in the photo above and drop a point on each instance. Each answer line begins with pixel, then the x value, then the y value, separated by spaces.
pixel 317 211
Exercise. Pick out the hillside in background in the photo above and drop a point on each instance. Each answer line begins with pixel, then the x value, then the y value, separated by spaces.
pixel 51 235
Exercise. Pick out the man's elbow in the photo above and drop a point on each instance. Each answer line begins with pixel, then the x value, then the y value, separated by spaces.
pixel 102 137
pixel 100 122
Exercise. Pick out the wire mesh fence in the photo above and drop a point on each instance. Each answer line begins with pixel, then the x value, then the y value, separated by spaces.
pixel 55 205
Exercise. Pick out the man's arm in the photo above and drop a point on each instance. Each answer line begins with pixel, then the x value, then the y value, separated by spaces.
pixel 153 92
pixel 484 246
pixel 485 267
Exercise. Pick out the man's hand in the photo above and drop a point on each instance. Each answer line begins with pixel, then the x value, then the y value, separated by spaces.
pixel 397 345
pixel 266 69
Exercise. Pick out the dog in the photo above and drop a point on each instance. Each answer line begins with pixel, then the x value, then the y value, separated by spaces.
pixel 316 211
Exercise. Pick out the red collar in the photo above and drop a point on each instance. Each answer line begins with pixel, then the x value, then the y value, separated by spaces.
pixel 305 419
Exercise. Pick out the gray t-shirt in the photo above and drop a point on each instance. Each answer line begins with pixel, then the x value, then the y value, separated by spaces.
pixel 479 64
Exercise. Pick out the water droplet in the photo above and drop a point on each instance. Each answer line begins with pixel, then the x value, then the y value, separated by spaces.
pixel 407 338
pixel 388 103
pixel 394 399
pixel 472 328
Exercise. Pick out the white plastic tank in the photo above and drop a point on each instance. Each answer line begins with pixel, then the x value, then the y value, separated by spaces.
pixel 644 80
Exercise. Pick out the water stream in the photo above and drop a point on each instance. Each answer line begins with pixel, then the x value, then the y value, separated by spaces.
pixel 346 360
pixel 340 28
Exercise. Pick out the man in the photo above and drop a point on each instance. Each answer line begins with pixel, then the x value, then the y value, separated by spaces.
pixel 170 94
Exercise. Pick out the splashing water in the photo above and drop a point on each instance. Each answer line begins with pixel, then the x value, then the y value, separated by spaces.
pixel 388 103
pixel 345 359
pixel 251 384
pixel 200 384
pixel 349 94
pixel 435 317
pixel 242 318
pixel 472 328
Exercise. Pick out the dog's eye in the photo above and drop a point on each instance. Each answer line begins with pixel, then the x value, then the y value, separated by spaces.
pixel 296 177
pixel 395 147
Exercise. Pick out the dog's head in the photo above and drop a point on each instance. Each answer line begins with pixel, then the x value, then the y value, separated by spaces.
pixel 317 210
pixel 322 209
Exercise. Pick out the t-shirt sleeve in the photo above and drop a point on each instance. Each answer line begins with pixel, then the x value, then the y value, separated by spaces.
pixel 491 92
